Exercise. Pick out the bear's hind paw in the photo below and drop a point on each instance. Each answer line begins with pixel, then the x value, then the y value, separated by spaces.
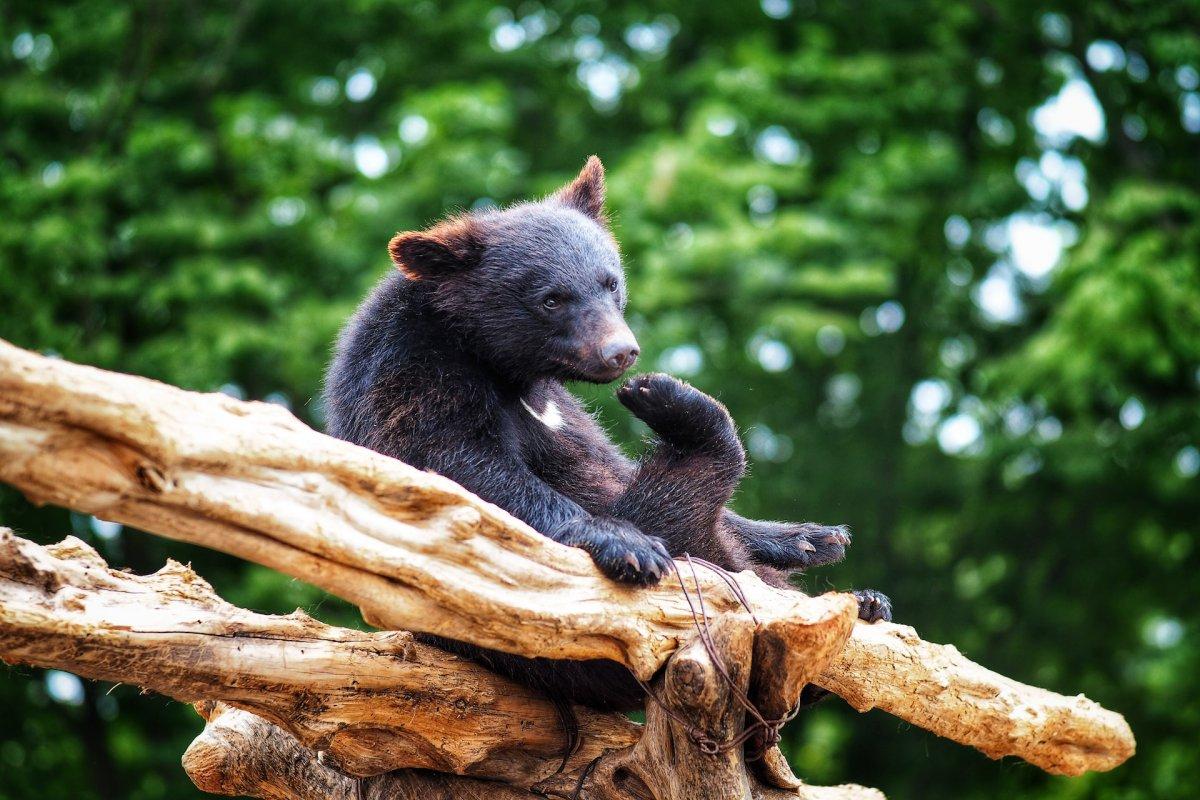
pixel 873 606
pixel 681 415
pixel 801 545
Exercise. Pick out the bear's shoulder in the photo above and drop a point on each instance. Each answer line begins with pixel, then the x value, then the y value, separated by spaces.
pixel 393 359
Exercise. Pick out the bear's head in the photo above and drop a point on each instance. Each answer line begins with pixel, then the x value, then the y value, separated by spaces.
pixel 536 289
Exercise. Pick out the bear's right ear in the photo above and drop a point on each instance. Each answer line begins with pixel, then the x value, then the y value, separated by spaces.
pixel 449 247
pixel 585 194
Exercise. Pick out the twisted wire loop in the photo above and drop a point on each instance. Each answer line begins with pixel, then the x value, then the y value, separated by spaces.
pixel 706 744
pixel 700 738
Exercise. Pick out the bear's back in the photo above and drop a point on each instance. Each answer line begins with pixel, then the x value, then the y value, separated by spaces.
pixel 390 356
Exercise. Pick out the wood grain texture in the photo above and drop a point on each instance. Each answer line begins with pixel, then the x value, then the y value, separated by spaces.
pixel 373 702
pixel 239 754
pixel 415 551
pixel 331 705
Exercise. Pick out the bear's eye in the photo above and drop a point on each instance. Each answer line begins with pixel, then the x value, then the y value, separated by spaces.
pixel 612 285
pixel 550 303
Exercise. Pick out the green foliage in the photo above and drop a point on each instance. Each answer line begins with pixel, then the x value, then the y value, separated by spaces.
pixel 843 219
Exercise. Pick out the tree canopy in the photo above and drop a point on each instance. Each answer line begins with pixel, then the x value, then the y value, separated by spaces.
pixel 941 261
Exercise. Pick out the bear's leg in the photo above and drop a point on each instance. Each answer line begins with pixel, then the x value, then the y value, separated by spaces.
pixel 679 491
pixel 789 545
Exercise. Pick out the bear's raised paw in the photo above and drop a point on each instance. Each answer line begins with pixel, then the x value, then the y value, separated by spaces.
pixel 681 415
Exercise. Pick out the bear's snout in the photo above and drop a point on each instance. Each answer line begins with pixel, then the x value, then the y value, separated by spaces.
pixel 620 351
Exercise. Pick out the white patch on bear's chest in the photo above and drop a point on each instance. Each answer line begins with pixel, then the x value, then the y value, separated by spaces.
pixel 551 417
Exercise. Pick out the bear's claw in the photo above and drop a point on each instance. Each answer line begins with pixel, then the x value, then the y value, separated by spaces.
pixel 873 606
pixel 800 545
pixel 621 551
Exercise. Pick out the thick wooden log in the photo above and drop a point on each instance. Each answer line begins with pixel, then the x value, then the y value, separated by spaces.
pixel 366 703
pixel 374 702
pixel 789 656
pixel 239 754
pixel 699 711
pixel 702 703
pixel 415 550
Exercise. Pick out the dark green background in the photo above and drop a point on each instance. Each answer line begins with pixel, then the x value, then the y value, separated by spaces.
pixel 840 218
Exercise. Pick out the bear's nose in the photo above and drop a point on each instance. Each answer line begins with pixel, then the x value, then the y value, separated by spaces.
pixel 620 352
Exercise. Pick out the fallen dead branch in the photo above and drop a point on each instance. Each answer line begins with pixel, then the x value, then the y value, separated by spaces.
pixel 369 703
pixel 416 551
pixel 374 702
pixel 240 754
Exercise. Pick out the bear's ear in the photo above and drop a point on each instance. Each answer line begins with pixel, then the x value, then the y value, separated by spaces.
pixel 585 194
pixel 447 248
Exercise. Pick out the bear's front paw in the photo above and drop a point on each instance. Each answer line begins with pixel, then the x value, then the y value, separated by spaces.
pixel 621 551
pixel 873 606
pixel 679 413
pixel 801 545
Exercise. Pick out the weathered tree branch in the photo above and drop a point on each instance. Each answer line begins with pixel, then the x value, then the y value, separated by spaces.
pixel 936 688
pixel 243 755
pixel 373 701
pixel 415 550
pixel 368 703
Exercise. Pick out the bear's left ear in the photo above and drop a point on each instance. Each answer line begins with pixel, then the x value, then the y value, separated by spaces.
pixel 447 248
pixel 585 194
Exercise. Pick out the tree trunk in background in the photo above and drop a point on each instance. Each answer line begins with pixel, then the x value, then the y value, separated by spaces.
pixel 92 730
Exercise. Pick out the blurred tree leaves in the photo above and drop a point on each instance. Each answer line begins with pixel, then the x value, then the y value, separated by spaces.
pixel 941 260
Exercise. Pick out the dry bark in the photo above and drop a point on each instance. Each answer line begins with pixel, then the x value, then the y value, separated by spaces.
pixel 239 754
pixel 373 701
pixel 368 703
pixel 414 550
pixel 937 688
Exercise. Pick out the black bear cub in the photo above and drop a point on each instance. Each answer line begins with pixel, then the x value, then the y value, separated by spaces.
pixel 456 363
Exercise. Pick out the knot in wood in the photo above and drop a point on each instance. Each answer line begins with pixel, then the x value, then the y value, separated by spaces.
pixel 151 478
pixel 689 676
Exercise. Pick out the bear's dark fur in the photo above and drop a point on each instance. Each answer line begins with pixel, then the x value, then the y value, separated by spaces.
pixel 456 362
